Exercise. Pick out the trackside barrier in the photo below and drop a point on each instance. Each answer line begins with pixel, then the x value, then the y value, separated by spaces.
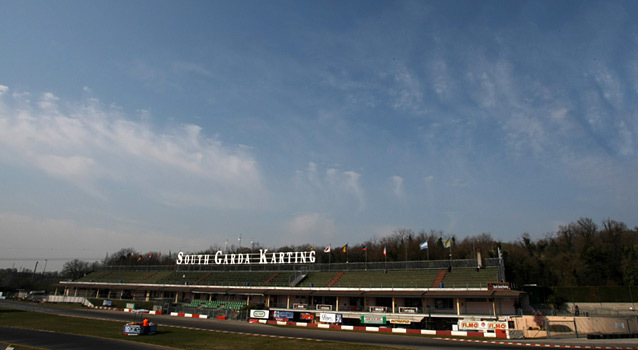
pixel 501 335
pixel 84 301
pixel 181 314
pixel 151 312
pixel 69 300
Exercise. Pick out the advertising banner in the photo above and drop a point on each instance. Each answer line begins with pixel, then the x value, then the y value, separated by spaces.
pixel 378 309
pixel 284 314
pixel 481 325
pixel 408 310
pixel 330 318
pixel 259 314
pixel 400 321
pixel 373 319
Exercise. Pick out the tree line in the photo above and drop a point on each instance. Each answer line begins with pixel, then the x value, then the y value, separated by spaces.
pixel 581 253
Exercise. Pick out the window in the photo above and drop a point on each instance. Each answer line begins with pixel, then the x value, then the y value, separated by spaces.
pixel 443 303
pixel 475 300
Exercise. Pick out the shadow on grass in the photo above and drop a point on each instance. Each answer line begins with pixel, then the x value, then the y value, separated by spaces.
pixel 9 311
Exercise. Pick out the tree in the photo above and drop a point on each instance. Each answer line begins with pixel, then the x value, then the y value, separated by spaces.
pixel 75 269
pixel 124 256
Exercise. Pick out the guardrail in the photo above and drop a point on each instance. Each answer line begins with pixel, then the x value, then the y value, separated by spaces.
pixel 352 266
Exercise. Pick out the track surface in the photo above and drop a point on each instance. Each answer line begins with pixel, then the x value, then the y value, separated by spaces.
pixel 249 329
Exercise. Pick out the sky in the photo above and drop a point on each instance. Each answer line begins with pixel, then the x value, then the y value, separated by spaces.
pixel 176 126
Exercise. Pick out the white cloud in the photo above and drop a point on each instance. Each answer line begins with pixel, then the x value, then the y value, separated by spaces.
pixel 443 84
pixel 609 86
pixel 307 227
pixel 625 140
pixel 407 95
pixel 352 182
pixel 89 145
pixel 335 188
pixel 397 186
pixel 525 133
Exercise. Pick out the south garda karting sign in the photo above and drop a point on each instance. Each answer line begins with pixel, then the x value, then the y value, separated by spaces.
pixel 263 257
pixel 498 286
pixel 481 325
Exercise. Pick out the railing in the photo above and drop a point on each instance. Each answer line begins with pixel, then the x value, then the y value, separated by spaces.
pixel 353 266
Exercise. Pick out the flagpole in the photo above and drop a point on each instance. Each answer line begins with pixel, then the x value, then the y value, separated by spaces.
pixel 450 253
pixel 385 257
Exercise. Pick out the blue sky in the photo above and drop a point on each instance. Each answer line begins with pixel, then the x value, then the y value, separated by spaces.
pixel 166 125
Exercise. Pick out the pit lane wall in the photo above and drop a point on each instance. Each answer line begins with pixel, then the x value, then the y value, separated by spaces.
pixel 478 334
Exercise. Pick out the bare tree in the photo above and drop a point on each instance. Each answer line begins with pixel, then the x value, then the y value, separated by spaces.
pixel 75 269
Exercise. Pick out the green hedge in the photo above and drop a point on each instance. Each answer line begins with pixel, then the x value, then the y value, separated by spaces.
pixel 597 294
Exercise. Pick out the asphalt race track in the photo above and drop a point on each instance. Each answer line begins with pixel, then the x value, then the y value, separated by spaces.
pixel 251 329
pixel 49 340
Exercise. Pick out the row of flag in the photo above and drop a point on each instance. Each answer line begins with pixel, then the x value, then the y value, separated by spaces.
pixel 423 245
pixel 150 255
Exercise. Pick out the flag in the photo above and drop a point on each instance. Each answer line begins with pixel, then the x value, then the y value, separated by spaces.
pixel 345 248
pixel 384 251
pixel 150 255
pixel 447 244
pixel 423 245
pixel 140 258
pixel 327 250
pixel 364 248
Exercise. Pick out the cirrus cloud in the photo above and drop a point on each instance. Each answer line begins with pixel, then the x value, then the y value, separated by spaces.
pixel 91 146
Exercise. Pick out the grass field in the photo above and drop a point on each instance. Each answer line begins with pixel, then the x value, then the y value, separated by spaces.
pixel 173 337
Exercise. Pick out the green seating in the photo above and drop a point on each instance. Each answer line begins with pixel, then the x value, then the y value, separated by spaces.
pixel 388 279
pixel 470 278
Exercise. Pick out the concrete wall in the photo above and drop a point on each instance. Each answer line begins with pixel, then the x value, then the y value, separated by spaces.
pixel 584 325
pixel 611 309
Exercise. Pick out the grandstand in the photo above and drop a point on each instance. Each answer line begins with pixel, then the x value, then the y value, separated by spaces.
pixel 437 292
